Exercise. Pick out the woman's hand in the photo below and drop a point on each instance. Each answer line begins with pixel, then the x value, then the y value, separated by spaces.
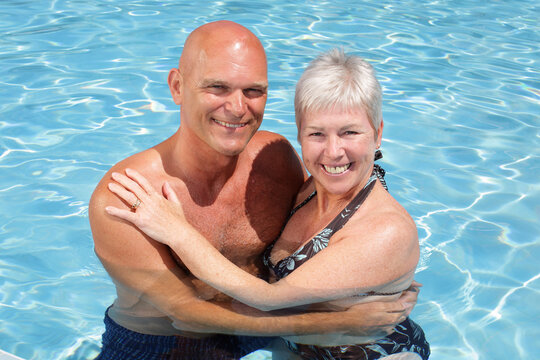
pixel 159 216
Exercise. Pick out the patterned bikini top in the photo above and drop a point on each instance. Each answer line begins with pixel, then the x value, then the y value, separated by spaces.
pixel 320 241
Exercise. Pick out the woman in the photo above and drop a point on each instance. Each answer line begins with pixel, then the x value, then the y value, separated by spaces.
pixel 347 240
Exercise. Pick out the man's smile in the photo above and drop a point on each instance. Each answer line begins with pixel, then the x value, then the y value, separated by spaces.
pixel 229 125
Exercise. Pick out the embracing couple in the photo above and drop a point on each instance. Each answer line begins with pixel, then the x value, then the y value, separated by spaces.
pixel 218 242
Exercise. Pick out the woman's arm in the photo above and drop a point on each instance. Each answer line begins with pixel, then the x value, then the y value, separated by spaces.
pixel 145 268
pixel 325 277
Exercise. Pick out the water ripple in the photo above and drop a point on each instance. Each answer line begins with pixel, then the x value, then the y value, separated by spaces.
pixel 84 84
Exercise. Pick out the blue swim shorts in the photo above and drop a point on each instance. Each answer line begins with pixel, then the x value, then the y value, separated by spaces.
pixel 119 343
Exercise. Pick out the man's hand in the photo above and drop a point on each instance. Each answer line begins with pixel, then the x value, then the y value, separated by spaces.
pixel 410 297
pixel 379 318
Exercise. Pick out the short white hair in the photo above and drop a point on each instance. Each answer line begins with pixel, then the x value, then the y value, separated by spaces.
pixel 340 82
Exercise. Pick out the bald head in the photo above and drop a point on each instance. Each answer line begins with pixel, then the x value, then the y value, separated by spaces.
pixel 216 39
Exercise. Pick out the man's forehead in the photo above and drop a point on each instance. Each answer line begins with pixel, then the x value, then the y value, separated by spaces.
pixel 242 66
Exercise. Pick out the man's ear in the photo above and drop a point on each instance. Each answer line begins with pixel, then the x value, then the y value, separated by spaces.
pixel 175 82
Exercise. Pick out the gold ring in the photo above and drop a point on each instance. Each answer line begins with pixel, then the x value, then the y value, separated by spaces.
pixel 136 205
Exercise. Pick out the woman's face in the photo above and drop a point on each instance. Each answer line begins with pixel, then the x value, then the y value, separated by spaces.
pixel 338 148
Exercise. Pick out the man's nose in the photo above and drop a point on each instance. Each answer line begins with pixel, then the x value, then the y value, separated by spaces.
pixel 236 103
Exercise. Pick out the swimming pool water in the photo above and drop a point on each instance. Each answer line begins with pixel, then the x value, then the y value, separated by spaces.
pixel 83 85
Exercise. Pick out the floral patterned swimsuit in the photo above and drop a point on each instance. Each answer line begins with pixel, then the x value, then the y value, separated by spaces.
pixel 407 337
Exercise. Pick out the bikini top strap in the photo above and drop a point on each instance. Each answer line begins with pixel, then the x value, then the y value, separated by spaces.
pixel 349 210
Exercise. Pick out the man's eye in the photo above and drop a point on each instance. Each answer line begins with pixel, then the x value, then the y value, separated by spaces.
pixel 217 88
pixel 316 134
pixel 351 132
pixel 253 93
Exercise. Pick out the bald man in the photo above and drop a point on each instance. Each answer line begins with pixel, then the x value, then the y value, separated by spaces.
pixel 236 186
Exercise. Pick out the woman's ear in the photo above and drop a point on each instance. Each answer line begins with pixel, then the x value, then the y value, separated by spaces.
pixel 175 82
pixel 378 140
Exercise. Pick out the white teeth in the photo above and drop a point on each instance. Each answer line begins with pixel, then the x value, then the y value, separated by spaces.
pixel 229 125
pixel 337 169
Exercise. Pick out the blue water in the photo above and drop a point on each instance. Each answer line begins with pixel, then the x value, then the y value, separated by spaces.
pixel 83 85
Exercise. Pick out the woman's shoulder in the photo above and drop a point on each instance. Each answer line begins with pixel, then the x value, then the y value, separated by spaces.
pixel 382 217
pixel 386 231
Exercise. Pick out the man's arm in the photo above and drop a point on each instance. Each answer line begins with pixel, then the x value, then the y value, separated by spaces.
pixel 148 269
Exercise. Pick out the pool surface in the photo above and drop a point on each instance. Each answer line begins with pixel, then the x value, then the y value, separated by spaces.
pixel 83 85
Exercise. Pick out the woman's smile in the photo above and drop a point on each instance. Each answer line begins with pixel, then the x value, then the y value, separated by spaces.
pixel 336 169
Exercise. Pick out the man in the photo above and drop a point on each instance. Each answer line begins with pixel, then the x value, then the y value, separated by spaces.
pixel 236 186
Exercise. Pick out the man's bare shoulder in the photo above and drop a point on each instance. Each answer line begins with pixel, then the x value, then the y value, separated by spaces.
pixel 102 197
pixel 267 136
pixel 274 154
pixel 116 240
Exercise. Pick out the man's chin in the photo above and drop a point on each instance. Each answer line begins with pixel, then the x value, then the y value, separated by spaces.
pixel 233 148
pixel 228 151
pixel 230 148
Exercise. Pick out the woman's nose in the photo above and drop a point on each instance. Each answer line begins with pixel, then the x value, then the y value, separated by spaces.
pixel 334 147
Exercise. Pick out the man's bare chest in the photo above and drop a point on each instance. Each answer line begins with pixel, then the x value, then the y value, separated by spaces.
pixel 242 220
pixel 228 226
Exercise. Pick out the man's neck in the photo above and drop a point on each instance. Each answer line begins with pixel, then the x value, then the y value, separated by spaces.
pixel 204 171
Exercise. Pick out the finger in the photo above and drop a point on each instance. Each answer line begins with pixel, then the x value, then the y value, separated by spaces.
pixel 409 295
pixel 122 214
pixel 143 182
pixel 403 317
pixel 408 312
pixel 169 193
pixel 408 300
pixel 130 185
pixel 127 196
pixel 392 307
pixel 401 308
pixel 416 284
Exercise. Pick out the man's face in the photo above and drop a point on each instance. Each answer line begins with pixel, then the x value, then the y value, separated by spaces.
pixel 224 95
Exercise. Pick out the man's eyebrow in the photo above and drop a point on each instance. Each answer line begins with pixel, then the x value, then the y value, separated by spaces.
pixel 209 82
pixel 313 127
pixel 259 85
